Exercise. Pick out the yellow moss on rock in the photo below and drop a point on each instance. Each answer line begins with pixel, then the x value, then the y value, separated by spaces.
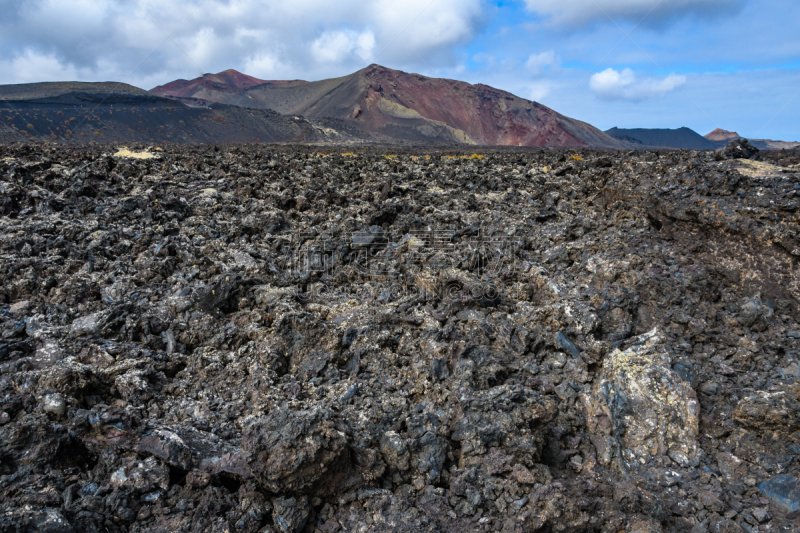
pixel 125 152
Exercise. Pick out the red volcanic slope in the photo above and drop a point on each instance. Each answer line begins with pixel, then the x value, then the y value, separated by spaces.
pixel 722 135
pixel 232 77
pixel 407 106
pixel 487 115
pixel 230 81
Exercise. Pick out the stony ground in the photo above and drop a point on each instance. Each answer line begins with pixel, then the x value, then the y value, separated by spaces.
pixel 255 339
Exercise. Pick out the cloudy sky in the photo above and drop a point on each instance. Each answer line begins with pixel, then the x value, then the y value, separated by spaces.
pixel 733 64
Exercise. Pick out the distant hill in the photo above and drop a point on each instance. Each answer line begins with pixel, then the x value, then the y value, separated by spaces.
pixel 144 117
pixel 208 85
pixel 769 144
pixel 375 104
pixel 28 91
pixel 402 106
pixel 720 135
pixel 664 138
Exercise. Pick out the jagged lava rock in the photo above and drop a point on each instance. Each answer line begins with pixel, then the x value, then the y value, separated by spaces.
pixel 639 411
pixel 739 149
pixel 291 450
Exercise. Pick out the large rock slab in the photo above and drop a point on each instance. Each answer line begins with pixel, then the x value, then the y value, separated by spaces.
pixel 641 412
pixel 291 450
pixel 783 492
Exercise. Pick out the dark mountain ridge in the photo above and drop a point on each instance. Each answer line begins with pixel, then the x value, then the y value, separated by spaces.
pixel 144 117
pixel 667 138
pixel 29 91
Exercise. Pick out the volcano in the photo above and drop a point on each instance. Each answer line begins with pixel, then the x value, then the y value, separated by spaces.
pixel 403 106
pixel 720 135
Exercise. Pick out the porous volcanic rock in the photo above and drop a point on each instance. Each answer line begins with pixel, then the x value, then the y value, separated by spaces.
pixel 739 149
pixel 291 450
pixel 257 339
pixel 640 410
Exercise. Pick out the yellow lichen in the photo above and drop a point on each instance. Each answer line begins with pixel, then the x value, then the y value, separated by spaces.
pixel 125 152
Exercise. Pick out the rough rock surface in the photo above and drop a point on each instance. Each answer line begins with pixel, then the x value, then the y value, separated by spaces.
pixel 640 410
pixel 266 339
pixel 739 149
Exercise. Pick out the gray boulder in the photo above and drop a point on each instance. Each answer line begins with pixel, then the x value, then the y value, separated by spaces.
pixel 783 492
pixel 640 411
pixel 290 514
pixel 292 450
pixel 739 149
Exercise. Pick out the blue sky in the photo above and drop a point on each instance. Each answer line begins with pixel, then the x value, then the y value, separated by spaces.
pixel 704 64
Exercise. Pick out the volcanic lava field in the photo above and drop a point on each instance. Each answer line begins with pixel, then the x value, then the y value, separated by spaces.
pixel 296 339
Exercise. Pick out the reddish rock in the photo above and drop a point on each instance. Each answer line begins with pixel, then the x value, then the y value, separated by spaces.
pixel 722 135
pixel 228 81
pixel 403 106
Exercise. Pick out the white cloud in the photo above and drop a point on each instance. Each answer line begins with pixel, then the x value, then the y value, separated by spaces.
pixel 580 12
pixel 335 46
pixel 537 63
pixel 32 66
pixel 537 91
pixel 418 27
pixel 265 66
pixel 623 85
pixel 365 44
pixel 308 39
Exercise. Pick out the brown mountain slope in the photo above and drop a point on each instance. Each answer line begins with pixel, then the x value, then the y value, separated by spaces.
pixel 408 106
pixel 719 135
pixel 211 87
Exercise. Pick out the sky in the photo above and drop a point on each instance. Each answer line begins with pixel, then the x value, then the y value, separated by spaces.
pixel 704 64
